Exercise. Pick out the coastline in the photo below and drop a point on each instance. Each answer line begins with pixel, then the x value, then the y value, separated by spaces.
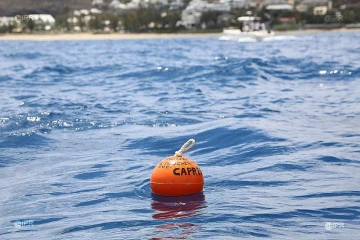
pixel 317 31
pixel 105 36
pixel 134 36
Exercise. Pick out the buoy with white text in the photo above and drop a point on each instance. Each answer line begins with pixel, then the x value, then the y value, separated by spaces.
pixel 177 175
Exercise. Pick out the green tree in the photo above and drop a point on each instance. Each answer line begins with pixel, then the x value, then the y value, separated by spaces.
pixel 172 18
pixel 81 23
pixel 96 23
pixel 210 18
pixel 61 22
pixel 30 24
pixel 114 21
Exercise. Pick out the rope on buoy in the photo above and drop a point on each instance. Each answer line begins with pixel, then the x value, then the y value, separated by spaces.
pixel 187 146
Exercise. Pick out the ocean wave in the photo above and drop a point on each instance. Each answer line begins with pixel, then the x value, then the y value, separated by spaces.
pixel 82 126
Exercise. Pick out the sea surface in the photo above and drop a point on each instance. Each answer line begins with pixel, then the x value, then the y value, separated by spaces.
pixel 276 124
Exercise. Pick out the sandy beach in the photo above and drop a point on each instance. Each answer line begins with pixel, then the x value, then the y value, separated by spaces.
pixel 129 36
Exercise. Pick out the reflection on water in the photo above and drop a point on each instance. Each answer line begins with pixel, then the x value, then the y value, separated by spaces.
pixel 170 208
pixel 177 207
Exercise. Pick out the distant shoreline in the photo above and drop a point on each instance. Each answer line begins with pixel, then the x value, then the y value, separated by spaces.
pixel 104 36
pixel 134 36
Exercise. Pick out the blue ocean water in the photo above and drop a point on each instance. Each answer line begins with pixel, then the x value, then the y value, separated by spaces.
pixel 277 125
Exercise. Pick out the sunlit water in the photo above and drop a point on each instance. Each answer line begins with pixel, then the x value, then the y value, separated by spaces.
pixel 277 125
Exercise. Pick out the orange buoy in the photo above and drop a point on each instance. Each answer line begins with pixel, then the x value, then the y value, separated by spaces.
pixel 177 175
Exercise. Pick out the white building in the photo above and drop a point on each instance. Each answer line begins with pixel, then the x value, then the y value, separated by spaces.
pixel 43 19
pixel 95 11
pixel 97 2
pixel 278 5
pixel 189 19
pixel 273 2
pixel 222 6
pixel 307 5
pixel 191 16
pixel 241 3
pixel 320 10
pixel 84 12
pixel 134 4
pixel 6 21
pixel 76 13
pixel 159 2
pixel 176 4
pixel 116 4
pixel 72 20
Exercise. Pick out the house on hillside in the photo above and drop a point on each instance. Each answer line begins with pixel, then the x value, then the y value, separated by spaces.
pixel 116 4
pixel 97 3
pixel 191 16
pixel 95 11
pixel 315 6
pixel 189 19
pixel 278 5
pixel 221 6
pixel 43 19
pixel 159 3
pixel 7 21
pixel 176 4
pixel 241 4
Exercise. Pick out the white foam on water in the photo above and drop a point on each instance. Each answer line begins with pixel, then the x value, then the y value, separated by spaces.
pixel 280 38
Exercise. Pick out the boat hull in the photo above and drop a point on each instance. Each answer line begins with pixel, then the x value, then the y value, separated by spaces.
pixel 237 35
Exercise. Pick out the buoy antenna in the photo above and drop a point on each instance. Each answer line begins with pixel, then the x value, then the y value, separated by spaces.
pixel 187 146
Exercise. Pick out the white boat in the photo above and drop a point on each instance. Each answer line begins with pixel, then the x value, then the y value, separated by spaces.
pixel 238 35
pixel 248 34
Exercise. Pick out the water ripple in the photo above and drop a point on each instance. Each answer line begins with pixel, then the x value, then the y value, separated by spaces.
pixel 82 126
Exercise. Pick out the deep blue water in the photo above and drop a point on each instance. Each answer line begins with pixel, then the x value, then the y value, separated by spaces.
pixel 277 125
